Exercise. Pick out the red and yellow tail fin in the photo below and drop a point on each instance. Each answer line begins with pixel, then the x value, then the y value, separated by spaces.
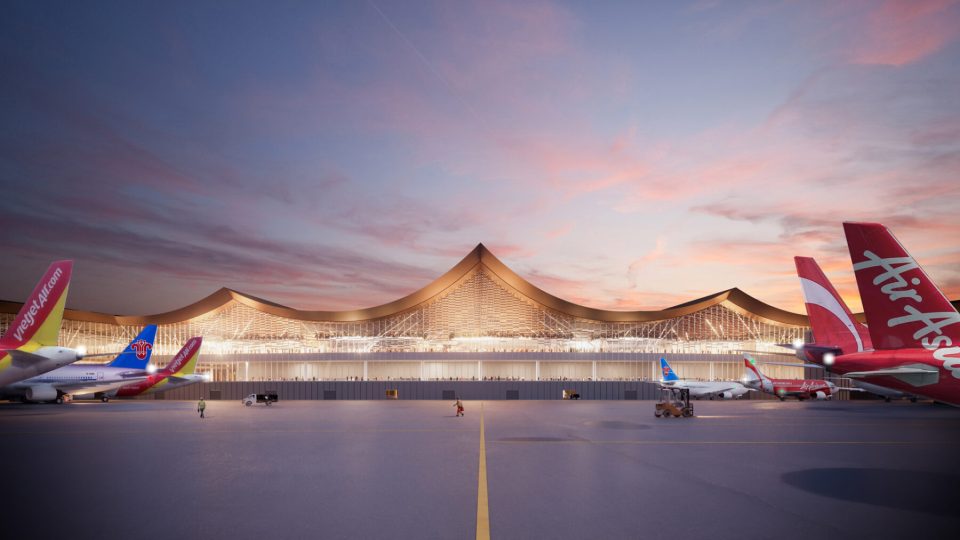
pixel 39 319
pixel 185 362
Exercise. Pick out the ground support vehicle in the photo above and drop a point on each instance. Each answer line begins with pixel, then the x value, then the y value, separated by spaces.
pixel 673 402
pixel 260 398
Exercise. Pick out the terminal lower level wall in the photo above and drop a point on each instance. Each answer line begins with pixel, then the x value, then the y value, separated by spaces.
pixel 440 390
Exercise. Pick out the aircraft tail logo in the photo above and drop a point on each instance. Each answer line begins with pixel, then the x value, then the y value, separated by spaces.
pixel 138 352
pixel 667 373
pixel 141 347
pixel 830 318
pixel 904 308
pixel 40 317
pixel 185 362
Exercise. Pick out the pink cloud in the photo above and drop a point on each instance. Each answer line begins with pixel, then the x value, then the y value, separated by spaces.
pixel 901 32
pixel 651 256
pixel 561 231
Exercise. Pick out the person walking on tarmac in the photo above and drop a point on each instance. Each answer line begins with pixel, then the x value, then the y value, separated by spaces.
pixel 459 407
pixel 201 406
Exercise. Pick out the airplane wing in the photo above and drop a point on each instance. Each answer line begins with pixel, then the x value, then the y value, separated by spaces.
pixel 23 359
pixel 889 371
pixel 815 347
pixel 917 375
pixel 173 379
pixel 716 390
pixel 791 364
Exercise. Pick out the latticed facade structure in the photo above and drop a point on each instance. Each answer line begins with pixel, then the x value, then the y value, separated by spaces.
pixel 480 311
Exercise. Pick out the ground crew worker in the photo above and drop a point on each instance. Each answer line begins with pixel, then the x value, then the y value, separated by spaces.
pixel 201 407
pixel 459 407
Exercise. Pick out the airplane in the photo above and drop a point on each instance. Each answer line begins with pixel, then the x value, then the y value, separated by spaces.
pixel 29 346
pixel 835 331
pixel 783 388
pixel 915 330
pixel 721 389
pixel 178 373
pixel 62 383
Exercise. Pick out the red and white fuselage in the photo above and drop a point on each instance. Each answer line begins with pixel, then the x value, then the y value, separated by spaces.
pixel 915 330
pixel 784 388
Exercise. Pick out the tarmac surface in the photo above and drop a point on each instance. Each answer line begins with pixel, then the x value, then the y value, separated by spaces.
pixel 411 469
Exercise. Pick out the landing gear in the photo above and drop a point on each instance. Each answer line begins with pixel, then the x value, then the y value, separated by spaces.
pixel 887 399
pixel 104 399
pixel 59 400
pixel 913 399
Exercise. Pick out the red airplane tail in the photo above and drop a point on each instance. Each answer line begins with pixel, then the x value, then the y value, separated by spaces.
pixel 830 318
pixel 39 318
pixel 903 306
pixel 753 372
pixel 186 355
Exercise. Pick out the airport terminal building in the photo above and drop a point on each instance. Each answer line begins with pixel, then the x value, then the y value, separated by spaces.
pixel 478 322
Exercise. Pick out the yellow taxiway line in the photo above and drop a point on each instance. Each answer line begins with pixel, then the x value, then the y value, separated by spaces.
pixel 483 506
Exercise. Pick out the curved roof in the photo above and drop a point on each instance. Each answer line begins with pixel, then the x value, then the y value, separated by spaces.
pixel 479 256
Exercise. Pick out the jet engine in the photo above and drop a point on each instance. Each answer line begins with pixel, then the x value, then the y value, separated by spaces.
pixel 726 395
pixel 819 395
pixel 43 392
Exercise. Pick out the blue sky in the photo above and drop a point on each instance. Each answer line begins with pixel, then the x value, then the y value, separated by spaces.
pixel 335 155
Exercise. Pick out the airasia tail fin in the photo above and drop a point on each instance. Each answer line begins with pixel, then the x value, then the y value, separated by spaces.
pixel 185 362
pixel 39 319
pixel 903 306
pixel 830 318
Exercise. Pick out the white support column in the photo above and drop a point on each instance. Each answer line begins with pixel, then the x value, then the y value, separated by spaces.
pixel 537 369
pixel 364 370
pixel 421 370
pixel 479 370
pixel 593 370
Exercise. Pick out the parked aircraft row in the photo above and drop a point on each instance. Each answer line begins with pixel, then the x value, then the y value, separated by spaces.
pixel 34 368
pixel 909 347
pixel 911 344
pixel 753 380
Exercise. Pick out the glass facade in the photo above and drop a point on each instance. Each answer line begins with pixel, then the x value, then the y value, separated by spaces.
pixel 478 328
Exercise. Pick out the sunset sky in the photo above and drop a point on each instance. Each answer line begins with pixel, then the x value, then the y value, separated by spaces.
pixel 334 155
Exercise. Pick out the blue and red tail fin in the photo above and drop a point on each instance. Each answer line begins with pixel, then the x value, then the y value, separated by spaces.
pixel 904 308
pixel 138 352
pixel 666 372
pixel 830 319
pixel 38 321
